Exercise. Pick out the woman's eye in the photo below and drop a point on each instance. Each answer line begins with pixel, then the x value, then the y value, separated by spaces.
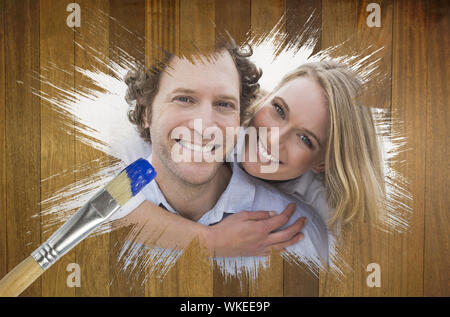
pixel 279 110
pixel 304 138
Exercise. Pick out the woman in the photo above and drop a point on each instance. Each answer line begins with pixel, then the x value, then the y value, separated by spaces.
pixel 328 156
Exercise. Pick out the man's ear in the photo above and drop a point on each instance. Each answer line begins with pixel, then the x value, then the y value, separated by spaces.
pixel 318 168
pixel 145 115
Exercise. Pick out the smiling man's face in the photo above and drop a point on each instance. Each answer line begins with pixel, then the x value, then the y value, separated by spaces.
pixel 188 92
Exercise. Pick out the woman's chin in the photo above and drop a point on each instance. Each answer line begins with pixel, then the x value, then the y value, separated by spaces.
pixel 278 174
pixel 256 169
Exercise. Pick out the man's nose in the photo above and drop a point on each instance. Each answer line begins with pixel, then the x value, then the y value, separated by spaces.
pixel 204 121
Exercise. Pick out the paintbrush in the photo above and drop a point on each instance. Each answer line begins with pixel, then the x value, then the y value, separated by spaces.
pixel 98 209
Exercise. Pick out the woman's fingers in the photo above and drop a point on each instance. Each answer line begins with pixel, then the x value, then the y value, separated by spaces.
pixel 260 215
pixel 280 220
pixel 283 245
pixel 288 233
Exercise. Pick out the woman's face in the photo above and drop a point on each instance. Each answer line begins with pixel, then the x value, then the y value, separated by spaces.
pixel 299 110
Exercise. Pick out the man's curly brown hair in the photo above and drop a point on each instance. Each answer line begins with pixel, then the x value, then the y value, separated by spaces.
pixel 143 86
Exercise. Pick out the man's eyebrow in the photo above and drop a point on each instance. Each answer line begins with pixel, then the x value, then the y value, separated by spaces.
pixel 228 97
pixel 183 91
pixel 190 91
pixel 304 129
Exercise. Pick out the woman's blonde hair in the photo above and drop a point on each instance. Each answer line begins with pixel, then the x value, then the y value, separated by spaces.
pixel 353 177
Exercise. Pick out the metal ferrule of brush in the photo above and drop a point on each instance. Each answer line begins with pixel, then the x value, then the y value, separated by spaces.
pixel 80 225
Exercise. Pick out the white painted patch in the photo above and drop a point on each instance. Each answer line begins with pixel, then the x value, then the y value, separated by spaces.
pixel 101 116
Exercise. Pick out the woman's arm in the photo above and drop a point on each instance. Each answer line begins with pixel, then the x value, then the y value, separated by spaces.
pixel 247 233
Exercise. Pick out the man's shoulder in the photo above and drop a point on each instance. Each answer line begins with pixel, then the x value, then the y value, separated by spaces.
pixel 270 198
pixel 269 195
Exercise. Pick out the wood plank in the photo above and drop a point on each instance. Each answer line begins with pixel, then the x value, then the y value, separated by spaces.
pixel 57 149
pixel 378 92
pixel 3 235
pixel 22 127
pixel 197 32
pixel 162 31
pixel 409 103
pixel 339 20
pixel 92 254
pixel 264 16
pixel 233 17
pixel 297 14
pixel 194 263
pixel 436 259
pixel 370 242
pixel 126 32
pixel 298 280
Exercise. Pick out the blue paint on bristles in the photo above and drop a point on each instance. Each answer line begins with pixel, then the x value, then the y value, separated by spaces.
pixel 140 173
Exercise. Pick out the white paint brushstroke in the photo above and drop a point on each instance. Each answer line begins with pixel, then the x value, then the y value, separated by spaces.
pixel 101 123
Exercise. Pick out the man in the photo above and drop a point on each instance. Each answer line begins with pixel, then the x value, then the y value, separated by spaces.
pixel 218 90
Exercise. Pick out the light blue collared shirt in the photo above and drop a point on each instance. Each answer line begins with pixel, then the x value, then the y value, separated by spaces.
pixel 245 192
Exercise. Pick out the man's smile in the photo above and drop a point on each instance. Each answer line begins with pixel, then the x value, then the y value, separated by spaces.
pixel 197 147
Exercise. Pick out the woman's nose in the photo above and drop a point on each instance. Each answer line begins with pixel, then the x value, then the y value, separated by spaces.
pixel 281 132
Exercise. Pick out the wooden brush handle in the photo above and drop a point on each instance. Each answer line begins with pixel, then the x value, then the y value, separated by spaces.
pixel 20 277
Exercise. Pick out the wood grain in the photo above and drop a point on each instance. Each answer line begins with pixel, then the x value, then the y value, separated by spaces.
pixel 3 227
pixel 298 280
pixel 370 39
pixel 57 147
pixel 264 16
pixel 22 133
pixel 233 17
pixel 194 264
pixel 437 244
pixel 370 242
pixel 297 14
pixel 197 32
pixel 92 254
pixel 409 105
pixel 20 277
pixel 127 33
pixel 339 20
pixel 162 31
pixel 33 35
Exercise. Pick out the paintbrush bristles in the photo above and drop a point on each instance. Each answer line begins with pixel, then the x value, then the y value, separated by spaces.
pixel 120 188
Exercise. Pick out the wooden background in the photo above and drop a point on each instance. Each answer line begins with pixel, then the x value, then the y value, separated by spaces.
pixel 34 34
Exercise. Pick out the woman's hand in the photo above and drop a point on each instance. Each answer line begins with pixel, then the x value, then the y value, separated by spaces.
pixel 251 233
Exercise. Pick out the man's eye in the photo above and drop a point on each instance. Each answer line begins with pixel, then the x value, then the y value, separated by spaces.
pixel 279 110
pixel 183 99
pixel 225 104
pixel 305 139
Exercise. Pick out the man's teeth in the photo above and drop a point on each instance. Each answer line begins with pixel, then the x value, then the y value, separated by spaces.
pixel 264 153
pixel 196 147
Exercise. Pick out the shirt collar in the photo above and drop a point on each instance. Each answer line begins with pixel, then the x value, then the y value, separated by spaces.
pixel 238 195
